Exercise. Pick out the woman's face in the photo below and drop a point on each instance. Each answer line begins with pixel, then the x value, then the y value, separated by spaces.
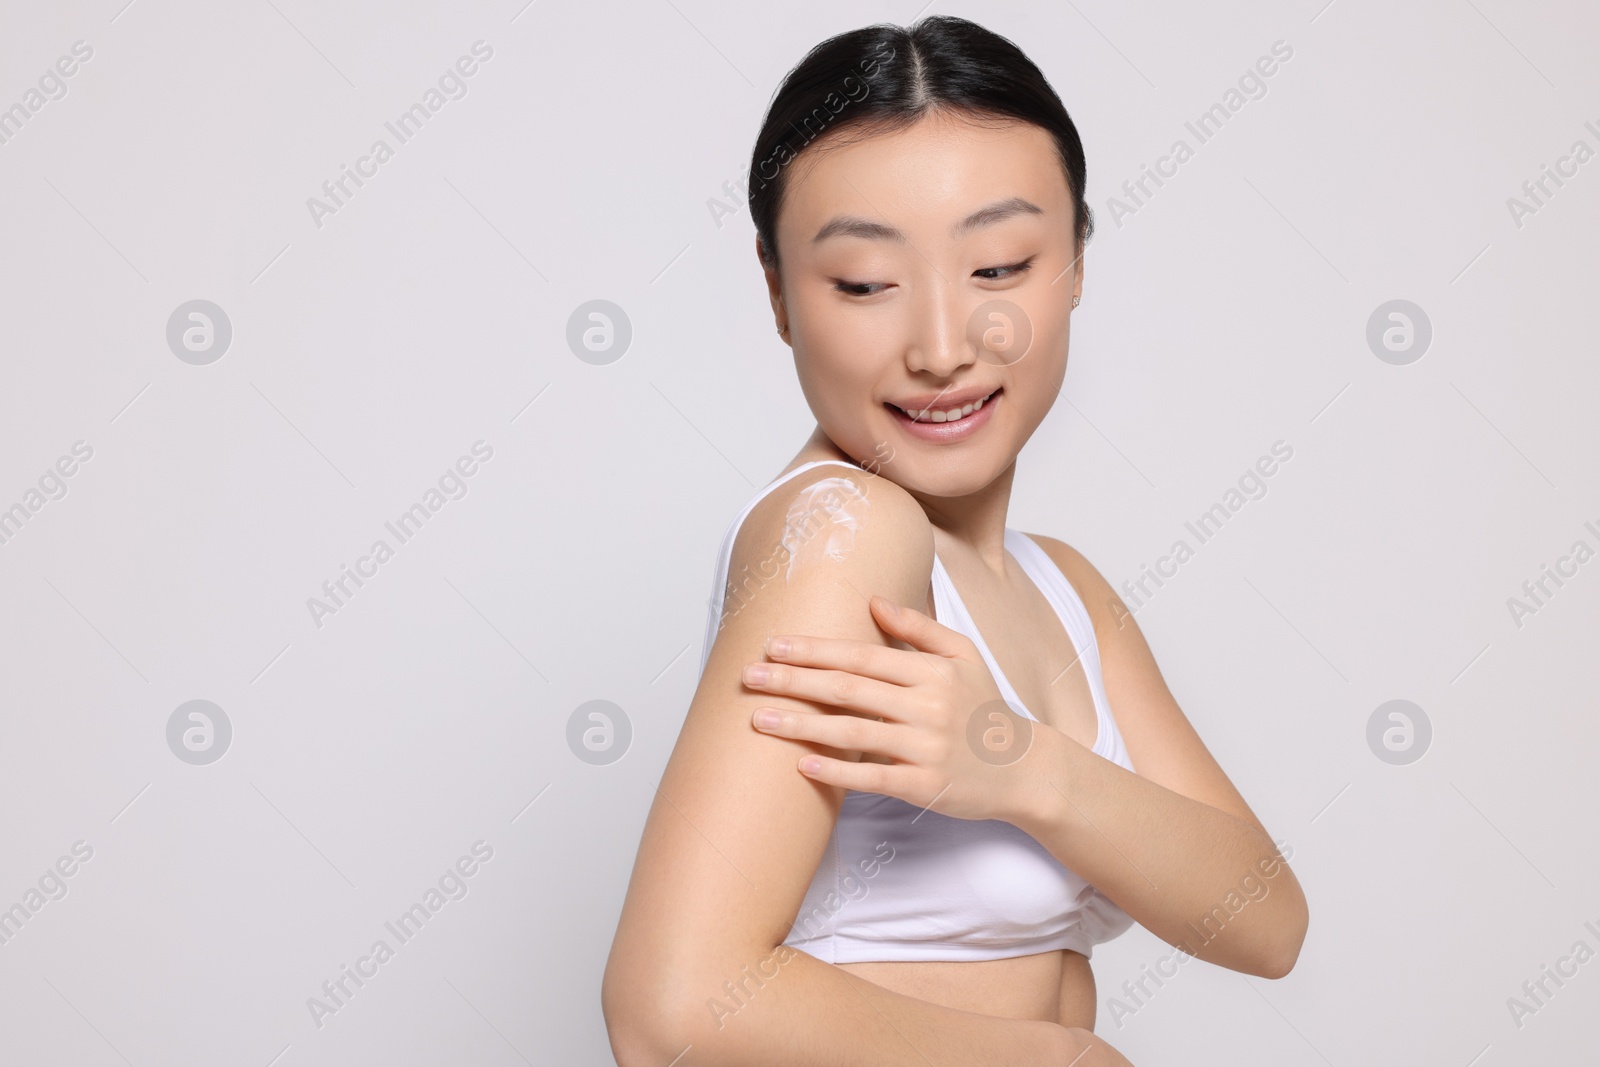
pixel 922 270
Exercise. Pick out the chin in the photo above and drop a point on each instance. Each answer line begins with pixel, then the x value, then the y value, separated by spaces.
pixel 955 475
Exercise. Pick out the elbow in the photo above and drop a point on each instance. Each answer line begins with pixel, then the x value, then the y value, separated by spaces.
pixel 653 1019
pixel 635 1043
pixel 638 1020
pixel 648 1021
pixel 1277 966
pixel 1287 952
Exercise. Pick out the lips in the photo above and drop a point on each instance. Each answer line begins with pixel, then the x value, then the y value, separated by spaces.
pixel 949 432
pixel 937 407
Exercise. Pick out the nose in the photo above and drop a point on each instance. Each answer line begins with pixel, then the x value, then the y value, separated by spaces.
pixel 939 343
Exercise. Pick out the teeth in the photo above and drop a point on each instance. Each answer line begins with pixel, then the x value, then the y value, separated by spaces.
pixel 929 415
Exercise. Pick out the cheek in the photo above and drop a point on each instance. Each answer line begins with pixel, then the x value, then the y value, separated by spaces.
pixel 1046 361
pixel 835 362
pixel 838 390
pixel 832 376
pixel 844 346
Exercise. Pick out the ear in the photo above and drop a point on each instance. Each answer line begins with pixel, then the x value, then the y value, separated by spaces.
pixel 1077 284
pixel 780 314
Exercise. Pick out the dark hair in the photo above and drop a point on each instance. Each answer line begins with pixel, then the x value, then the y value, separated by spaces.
pixel 883 78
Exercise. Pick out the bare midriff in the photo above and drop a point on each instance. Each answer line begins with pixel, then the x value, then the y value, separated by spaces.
pixel 1055 986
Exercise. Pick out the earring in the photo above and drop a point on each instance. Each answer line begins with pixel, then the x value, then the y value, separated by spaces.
pixel 780 331
pixel 1075 300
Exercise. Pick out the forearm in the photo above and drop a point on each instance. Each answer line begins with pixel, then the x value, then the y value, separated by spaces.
pixel 1197 877
pixel 811 1013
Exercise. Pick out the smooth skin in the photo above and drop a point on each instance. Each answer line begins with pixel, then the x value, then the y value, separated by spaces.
pixel 884 310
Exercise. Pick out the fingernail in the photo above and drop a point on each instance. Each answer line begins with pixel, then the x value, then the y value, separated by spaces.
pixel 766 719
pixel 756 674
pixel 778 646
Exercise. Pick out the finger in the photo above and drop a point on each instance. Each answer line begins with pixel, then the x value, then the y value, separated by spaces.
pixel 847 733
pixel 920 630
pixel 863 777
pixel 836 689
pixel 865 658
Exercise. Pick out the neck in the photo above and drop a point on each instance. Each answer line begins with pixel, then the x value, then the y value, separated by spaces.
pixel 974 524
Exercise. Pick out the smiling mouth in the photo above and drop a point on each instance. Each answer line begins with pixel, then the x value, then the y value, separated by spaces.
pixel 938 415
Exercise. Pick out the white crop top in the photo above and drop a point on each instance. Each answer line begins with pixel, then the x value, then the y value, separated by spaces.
pixel 900 883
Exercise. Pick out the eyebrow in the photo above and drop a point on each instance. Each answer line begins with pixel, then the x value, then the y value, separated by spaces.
pixel 856 226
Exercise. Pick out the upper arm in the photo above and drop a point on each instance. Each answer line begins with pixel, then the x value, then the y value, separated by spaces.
pixel 1161 741
pixel 735 831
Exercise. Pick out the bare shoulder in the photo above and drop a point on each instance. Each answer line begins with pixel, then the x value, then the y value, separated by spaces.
pixel 1106 609
pixel 824 533
pixel 844 491
pixel 1161 741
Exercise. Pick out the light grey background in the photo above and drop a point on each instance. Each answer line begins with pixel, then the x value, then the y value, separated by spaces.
pixel 432 310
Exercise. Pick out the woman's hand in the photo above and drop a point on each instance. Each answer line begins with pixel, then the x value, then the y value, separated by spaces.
pixel 958 747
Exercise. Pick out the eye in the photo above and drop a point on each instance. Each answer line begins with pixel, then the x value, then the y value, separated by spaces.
pixel 1011 271
pixel 854 288
pixel 864 289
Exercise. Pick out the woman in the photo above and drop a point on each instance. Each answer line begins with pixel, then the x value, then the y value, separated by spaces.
pixel 911 863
